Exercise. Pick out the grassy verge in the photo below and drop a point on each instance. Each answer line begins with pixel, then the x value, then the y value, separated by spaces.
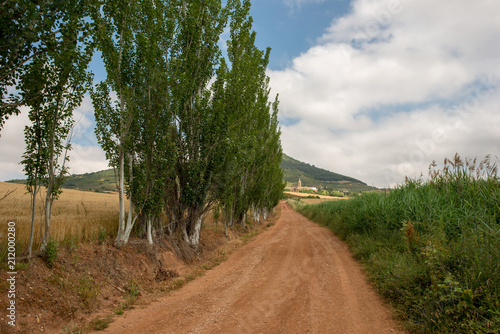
pixel 432 248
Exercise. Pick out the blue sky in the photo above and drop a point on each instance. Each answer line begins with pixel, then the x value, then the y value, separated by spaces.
pixel 373 89
pixel 292 27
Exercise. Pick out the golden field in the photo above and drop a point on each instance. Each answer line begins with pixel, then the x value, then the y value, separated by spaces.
pixel 304 197
pixel 76 215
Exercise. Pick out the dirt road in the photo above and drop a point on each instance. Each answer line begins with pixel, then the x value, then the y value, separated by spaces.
pixel 296 277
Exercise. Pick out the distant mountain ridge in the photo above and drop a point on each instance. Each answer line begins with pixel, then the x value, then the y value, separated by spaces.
pixel 311 176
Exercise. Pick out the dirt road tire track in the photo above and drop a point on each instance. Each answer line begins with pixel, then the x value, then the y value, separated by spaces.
pixel 296 277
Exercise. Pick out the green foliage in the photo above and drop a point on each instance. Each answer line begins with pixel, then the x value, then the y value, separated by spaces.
pixel 47 61
pixel 51 252
pixel 336 193
pixel 133 289
pixel 36 36
pixel 251 176
pixel 431 247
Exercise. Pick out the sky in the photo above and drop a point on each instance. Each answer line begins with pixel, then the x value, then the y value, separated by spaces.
pixel 372 89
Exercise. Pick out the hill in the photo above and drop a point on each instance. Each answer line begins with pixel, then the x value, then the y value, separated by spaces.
pixel 103 181
pixel 312 176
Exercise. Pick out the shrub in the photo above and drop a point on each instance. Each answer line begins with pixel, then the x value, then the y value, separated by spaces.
pixel 50 253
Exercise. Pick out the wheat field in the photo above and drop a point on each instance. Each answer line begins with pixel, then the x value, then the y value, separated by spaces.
pixel 76 216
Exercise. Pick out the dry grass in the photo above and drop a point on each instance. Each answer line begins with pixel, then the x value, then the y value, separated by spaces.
pixel 320 200
pixel 76 216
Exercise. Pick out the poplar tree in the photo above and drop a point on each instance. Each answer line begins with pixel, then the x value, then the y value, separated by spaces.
pixel 52 86
pixel 248 108
pixel 115 119
pixel 195 54
pixel 153 144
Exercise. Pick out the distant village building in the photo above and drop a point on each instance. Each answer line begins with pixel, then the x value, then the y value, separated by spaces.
pixel 300 187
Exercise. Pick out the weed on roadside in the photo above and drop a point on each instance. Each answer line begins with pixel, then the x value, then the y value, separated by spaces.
pixel 100 324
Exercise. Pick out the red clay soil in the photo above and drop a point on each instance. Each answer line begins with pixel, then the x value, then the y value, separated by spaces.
pixel 296 277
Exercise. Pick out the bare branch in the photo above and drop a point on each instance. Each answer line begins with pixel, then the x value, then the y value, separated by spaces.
pixel 9 192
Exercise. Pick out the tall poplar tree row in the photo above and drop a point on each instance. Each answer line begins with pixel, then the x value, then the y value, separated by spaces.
pixel 187 130
pixel 253 125
pixel 185 126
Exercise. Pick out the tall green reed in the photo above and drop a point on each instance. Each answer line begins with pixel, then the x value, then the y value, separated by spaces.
pixel 431 246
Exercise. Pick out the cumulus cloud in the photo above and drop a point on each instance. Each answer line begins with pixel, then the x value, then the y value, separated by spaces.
pixel 12 146
pixel 85 156
pixel 394 85
pixel 87 159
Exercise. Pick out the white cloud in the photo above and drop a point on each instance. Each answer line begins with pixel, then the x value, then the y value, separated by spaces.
pixel 12 146
pixel 297 4
pixel 86 159
pixel 85 156
pixel 383 93
pixel 84 116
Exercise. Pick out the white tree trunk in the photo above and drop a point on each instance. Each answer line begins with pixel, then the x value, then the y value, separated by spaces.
pixel 130 219
pixel 150 231
pixel 194 238
pixel 128 230
pixel 48 209
pixel 256 215
pixel 243 220
pixel 265 213
pixel 33 216
pixel 121 201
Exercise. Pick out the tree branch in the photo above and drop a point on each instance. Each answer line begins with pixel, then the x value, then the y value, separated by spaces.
pixel 7 194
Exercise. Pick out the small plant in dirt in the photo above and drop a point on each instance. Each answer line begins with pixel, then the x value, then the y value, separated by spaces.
pixel 120 310
pixel 133 291
pixel 73 329
pixel 87 290
pixel 100 323
pixel 50 253
pixel 102 236
pixel 133 288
